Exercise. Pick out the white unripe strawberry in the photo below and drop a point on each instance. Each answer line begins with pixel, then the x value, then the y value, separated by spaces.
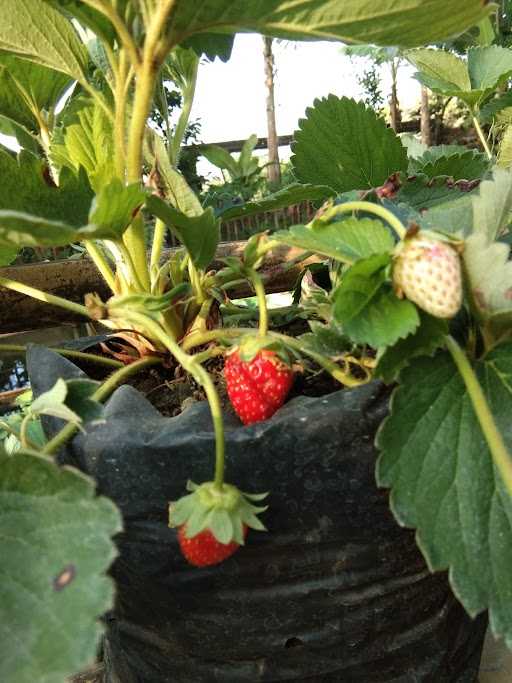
pixel 428 272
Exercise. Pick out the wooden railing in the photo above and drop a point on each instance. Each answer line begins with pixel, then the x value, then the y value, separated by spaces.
pixel 242 228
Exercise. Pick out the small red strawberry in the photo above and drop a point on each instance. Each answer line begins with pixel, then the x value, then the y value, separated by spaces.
pixel 213 520
pixel 427 271
pixel 204 550
pixel 257 388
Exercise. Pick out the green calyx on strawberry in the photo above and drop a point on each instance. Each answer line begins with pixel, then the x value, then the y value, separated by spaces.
pixel 258 378
pixel 213 520
pixel 427 271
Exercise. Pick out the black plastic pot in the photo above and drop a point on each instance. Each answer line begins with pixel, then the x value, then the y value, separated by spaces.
pixel 335 591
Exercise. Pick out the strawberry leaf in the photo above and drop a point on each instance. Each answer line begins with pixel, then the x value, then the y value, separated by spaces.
pixel 471 81
pixel 450 160
pixel 79 399
pixel 358 287
pixel 453 217
pixel 440 70
pixel 488 68
pixel 113 209
pixel 492 108
pixel 53 402
pixel 485 210
pixel 199 234
pixel 27 187
pixel 422 193
pixel 427 338
pixel 346 240
pixel 368 309
pixel 383 321
pixel 56 547
pixel 390 22
pixel 346 146
pixel 327 340
pixel 24 230
pixel 436 461
pixel 85 139
pixel 505 149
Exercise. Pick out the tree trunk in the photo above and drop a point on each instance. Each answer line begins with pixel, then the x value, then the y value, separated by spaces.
pixel 273 169
pixel 394 106
pixel 425 118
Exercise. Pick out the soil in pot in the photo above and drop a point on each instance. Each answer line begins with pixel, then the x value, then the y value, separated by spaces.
pixel 335 591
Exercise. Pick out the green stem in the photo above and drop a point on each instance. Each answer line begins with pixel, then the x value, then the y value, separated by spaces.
pixel 43 296
pixel 101 263
pixel 99 395
pixel 24 440
pixel 67 353
pixel 145 86
pixel 134 273
pixel 120 115
pixel 181 127
pixel 172 323
pixel 329 366
pixel 499 452
pixel 195 281
pixel 157 246
pixel 164 108
pixel 481 135
pixel 134 239
pixel 121 29
pixel 190 365
pixel 262 302
pixel 368 207
pixel 209 353
pixel 266 277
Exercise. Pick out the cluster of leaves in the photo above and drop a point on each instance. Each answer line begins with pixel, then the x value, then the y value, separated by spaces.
pixel 244 175
pixel 433 454
pixel 478 80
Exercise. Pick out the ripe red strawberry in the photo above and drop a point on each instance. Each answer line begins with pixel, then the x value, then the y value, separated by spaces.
pixel 428 272
pixel 204 550
pixel 257 388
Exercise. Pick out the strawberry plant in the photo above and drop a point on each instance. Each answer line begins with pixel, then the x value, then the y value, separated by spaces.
pixel 413 251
